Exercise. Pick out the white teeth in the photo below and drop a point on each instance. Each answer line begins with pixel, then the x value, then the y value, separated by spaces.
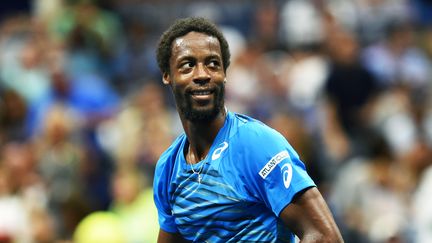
pixel 201 92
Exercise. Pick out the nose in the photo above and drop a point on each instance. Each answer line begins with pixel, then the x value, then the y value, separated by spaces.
pixel 202 75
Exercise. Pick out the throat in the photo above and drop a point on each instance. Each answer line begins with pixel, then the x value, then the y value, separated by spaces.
pixel 193 158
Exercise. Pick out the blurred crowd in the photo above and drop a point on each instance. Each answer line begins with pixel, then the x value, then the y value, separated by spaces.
pixel 84 115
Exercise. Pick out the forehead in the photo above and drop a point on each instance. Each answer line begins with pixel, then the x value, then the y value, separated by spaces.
pixel 195 43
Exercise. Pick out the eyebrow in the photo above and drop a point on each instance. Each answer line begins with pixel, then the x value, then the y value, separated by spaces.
pixel 211 56
pixel 189 57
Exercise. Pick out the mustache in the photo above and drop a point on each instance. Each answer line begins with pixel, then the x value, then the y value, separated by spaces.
pixel 185 107
pixel 195 89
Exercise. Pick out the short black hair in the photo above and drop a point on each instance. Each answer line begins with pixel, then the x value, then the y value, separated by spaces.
pixel 180 28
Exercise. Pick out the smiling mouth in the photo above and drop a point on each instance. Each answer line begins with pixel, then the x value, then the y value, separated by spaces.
pixel 202 95
pixel 201 92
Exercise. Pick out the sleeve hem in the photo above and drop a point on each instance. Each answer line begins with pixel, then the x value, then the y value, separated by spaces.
pixel 169 229
pixel 284 203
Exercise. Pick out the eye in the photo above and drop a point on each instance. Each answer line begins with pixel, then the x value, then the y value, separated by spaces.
pixel 214 64
pixel 186 66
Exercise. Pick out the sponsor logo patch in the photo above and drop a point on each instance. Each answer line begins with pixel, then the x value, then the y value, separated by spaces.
pixel 269 167
pixel 286 174
pixel 217 153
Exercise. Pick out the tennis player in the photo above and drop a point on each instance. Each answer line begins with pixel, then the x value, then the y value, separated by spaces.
pixel 229 177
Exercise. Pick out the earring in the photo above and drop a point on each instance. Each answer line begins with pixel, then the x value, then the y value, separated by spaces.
pixel 225 80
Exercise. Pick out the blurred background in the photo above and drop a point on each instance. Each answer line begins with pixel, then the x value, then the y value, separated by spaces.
pixel 84 115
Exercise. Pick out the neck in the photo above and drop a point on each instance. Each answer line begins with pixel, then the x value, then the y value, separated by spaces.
pixel 201 136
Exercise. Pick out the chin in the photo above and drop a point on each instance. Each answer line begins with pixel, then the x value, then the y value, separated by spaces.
pixel 202 115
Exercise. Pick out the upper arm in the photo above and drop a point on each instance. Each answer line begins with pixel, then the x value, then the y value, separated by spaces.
pixel 310 219
pixel 273 170
pixel 167 237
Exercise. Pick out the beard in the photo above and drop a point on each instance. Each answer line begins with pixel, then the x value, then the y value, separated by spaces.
pixel 194 114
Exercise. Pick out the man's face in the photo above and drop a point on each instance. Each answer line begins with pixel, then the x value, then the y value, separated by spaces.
pixel 197 76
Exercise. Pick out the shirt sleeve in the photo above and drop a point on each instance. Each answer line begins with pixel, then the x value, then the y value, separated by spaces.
pixel 161 197
pixel 274 169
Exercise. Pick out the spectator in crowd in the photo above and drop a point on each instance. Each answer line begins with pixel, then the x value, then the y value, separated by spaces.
pixel 350 90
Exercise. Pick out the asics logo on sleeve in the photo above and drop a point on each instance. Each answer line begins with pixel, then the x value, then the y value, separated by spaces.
pixel 217 153
pixel 271 164
pixel 286 170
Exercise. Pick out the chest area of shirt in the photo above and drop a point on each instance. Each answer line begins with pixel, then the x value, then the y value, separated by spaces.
pixel 213 192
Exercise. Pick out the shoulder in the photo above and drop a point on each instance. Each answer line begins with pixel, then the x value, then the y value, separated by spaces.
pixel 255 143
pixel 168 157
pixel 252 133
pixel 165 168
pixel 173 148
pixel 248 126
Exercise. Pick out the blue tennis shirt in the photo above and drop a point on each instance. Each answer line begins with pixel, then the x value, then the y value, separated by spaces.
pixel 249 176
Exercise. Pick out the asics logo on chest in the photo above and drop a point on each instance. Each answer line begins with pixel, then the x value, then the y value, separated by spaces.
pixel 217 153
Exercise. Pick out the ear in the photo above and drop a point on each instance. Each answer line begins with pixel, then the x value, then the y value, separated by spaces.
pixel 166 79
